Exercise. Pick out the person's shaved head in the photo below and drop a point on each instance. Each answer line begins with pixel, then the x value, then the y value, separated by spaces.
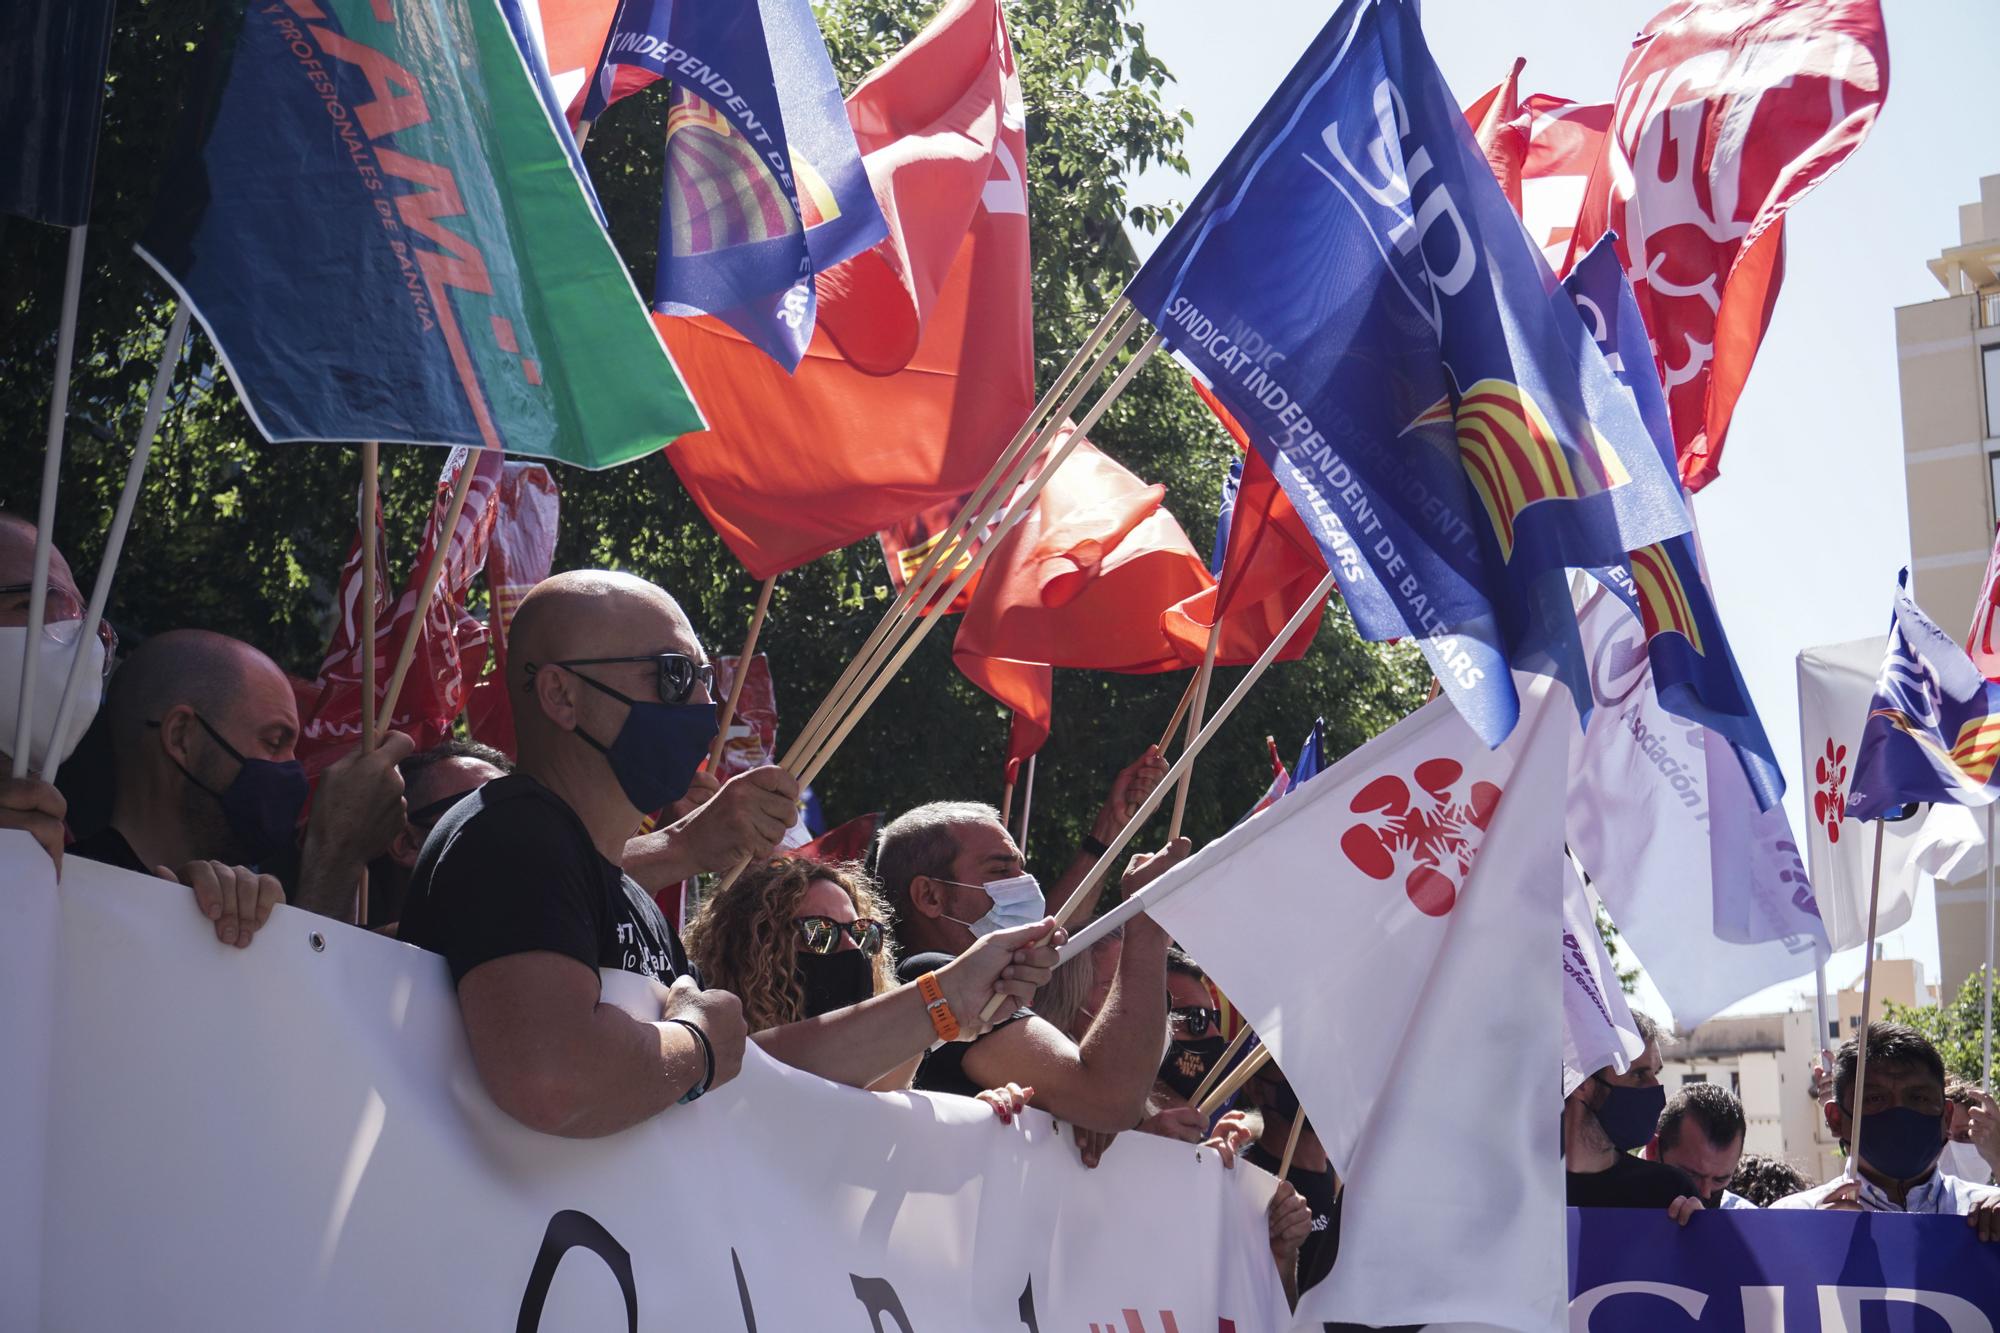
pixel 17 567
pixel 211 673
pixel 589 613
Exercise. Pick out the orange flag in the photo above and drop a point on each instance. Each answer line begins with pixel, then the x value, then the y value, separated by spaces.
pixel 1081 582
pixel 922 364
pixel 1270 566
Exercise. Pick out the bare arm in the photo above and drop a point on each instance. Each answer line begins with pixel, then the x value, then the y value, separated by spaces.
pixel 859 1045
pixel 1100 1083
pixel 1129 790
pixel 558 1060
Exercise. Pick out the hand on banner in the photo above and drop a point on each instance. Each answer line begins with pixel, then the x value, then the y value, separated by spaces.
pixel 357 812
pixel 1176 1122
pixel 237 899
pixel 1091 1145
pixel 1984 1218
pixel 1129 790
pixel 719 1015
pixel 1008 1102
pixel 1681 1209
pixel 1012 964
pixel 1233 1133
pixel 37 809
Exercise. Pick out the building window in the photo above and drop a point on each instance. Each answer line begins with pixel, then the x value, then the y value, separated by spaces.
pixel 1991 356
pixel 1693 1078
pixel 1993 470
pixel 1735 1083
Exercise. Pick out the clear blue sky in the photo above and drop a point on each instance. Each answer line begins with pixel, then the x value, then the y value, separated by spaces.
pixel 1806 528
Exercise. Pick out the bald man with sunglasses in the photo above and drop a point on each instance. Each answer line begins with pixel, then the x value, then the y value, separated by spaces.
pixel 521 886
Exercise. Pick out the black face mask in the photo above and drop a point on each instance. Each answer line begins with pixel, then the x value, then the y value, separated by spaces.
pixel 1279 1099
pixel 1188 1062
pixel 1630 1116
pixel 834 980
pixel 261 804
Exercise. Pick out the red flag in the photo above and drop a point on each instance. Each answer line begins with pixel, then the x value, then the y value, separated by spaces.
pixel 1081 582
pixel 1727 112
pixel 434 691
pixel 520 554
pixel 923 362
pixel 753 732
pixel 1983 640
pixel 573 35
pixel 849 842
pixel 1269 568
pixel 1542 151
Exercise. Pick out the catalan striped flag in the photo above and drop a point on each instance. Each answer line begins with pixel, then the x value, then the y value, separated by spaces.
pixel 1933 728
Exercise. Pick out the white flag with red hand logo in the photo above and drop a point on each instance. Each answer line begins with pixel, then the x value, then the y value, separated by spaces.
pixel 1836 685
pixel 1726 113
pixel 1982 642
pixel 1386 928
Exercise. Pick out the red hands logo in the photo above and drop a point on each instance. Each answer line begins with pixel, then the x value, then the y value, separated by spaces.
pixel 1830 772
pixel 1425 838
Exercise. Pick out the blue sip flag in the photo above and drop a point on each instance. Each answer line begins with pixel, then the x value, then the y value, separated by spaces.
pixel 1312 757
pixel 1694 671
pixel 1360 295
pixel 764 185
pixel 52 59
pixel 1933 729
pixel 1232 482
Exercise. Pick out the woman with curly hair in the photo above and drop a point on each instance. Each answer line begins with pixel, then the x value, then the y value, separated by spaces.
pixel 795 938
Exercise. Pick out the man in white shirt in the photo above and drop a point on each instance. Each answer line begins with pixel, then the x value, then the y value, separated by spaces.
pixel 1903 1128
pixel 1701 1132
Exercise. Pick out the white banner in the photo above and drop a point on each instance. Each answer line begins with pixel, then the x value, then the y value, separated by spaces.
pixel 292 1136
pixel 1598 1030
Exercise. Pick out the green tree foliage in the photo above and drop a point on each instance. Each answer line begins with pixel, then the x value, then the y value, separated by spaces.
pixel 240 536
pixel 1956 1029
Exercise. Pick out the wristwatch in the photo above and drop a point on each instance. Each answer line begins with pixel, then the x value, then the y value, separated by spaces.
pixel 943 1021
pixel 708 1061
pixel 1092 845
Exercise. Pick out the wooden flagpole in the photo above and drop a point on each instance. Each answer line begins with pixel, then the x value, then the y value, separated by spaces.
pixel 1867 998
pixel 1006 804
pixel 1027 806
pixel 371 498
pixel 1016 512
pixel 975 513
pixel 432 572
pixel 1194 721
pixel 114 542
pixel 45 512
pixel 1222 1063
pixel 728 712
pixel 1292 1143
pixel 1082 893
pixel 1230 1086
pixel 1180 711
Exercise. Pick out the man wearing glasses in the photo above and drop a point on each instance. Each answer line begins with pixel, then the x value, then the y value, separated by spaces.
pixel 521 887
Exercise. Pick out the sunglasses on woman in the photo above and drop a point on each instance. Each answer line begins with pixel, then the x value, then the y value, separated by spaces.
pixel 1194 1021
pixel 821 934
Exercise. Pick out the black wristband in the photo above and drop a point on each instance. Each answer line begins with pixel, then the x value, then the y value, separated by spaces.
pixel 1092 845
pixel 708 1059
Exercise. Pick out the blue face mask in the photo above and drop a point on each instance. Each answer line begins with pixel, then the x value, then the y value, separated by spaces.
pixel 656 752
pixel 261 804
pixel 1902 1143
pixel 1630 1116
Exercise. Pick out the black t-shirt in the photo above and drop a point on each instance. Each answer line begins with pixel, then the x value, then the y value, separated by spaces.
pixel 108 847
pixel 1629 1182
pixel 1317 1254
pixel 943 1070
pixel 511 869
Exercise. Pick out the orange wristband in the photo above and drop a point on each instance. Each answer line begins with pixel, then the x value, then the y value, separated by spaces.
pixel 943 1021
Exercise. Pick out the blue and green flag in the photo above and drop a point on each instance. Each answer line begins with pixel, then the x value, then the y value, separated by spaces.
pixel 380 226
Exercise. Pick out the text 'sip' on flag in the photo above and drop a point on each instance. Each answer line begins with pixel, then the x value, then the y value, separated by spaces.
pixel 377 222
pixel 52 60
pixel 1358 292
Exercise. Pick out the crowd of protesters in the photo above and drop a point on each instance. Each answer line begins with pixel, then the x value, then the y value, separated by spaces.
pixel 529 873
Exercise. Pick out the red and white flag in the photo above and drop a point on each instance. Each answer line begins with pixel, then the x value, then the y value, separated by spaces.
pixel 1542 151
pixel 1418 881
pixel 1280 781
pixel 1727 112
